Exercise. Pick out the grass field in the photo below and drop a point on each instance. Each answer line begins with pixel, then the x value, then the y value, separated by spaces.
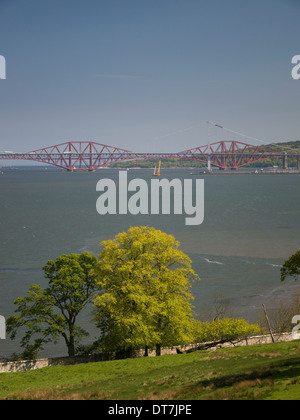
pixel 261 372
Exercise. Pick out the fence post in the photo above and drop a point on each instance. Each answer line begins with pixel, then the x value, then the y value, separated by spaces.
pixel 269 324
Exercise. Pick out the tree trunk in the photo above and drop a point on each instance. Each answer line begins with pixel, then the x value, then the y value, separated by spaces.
pixel 70 345
pixel 158 350
pixel 71 348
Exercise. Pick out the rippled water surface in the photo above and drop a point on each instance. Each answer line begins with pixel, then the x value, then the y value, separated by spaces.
pixel 251 225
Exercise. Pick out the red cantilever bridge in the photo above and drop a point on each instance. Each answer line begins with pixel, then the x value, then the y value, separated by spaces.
pixel 80 155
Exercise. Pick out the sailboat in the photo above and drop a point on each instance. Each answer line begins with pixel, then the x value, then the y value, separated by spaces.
pixel 157 173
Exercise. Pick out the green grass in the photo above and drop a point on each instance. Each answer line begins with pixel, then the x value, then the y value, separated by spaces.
pixel 258 372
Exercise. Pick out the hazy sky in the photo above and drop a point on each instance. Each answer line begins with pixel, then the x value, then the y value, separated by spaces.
pixel 146 75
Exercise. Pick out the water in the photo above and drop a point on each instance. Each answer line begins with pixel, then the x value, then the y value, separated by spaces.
pixel 251 227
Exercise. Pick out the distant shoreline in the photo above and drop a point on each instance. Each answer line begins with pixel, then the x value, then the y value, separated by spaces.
pixel 193 170
pixel 265 172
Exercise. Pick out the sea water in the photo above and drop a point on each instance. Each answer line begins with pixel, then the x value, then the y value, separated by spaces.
pixel 251 226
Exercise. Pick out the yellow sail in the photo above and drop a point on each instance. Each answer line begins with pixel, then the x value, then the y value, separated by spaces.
pixel 158 170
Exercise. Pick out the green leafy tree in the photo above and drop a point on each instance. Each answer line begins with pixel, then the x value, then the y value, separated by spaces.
pixel 146 298
pixel 52 312
pixel 291 267
pixel 224 330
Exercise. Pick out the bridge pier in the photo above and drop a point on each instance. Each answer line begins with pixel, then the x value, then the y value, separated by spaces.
pixel 209 163
pixel 285 163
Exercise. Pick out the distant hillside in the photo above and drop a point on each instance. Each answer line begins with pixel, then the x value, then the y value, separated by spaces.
pixel 292 144
pixel 289 147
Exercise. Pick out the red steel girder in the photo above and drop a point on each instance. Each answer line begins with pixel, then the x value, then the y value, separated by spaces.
pixel 82 155
pixel 228 154
pixel 79 155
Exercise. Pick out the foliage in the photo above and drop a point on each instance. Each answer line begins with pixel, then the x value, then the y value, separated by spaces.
pixel 166 163
pixel 224 330
pixel 52 312
pixel 146 299
pixel 291 267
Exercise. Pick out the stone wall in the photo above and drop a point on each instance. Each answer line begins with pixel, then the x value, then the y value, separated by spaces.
pixel 22 366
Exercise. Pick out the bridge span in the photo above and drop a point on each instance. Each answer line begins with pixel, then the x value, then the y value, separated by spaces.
pixel 81 155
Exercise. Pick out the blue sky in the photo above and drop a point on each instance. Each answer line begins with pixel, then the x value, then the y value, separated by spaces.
pixel 146 75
